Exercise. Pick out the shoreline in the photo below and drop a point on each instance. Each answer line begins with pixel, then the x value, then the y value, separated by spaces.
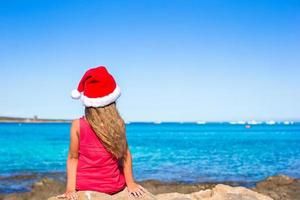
pixel 274 186
pixel 35 119
pixel 33 122
pixel 61 176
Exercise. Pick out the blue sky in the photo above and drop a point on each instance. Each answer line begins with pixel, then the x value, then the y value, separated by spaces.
pixel 174 60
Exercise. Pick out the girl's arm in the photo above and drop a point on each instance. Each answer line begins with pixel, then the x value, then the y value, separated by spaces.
pixel 134 189
pixel 72 157
pixel 128 169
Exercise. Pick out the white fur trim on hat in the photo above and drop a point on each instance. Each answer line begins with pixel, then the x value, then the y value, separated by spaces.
pixel 101 101
pixel 75 94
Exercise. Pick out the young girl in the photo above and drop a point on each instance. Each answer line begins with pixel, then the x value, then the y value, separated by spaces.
pixel 99 164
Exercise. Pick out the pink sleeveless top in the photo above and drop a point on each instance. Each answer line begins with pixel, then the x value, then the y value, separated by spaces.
pixel 97 169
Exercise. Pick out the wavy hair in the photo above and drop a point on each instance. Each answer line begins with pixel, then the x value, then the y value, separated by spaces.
pixel 109 127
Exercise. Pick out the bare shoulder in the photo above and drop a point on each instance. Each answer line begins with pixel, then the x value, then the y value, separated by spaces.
pixel 75 122
pixel 74 139
pixel 75 125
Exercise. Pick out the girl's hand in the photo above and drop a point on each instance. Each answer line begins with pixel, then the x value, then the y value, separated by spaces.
pixel 135 190
pixel 72 195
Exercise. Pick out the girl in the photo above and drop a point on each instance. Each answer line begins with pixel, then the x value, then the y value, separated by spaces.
pixel 99 164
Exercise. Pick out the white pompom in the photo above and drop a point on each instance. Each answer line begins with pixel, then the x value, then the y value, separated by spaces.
pixel 75 94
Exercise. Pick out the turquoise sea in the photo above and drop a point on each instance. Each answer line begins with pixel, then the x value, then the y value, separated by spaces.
pixel 186 152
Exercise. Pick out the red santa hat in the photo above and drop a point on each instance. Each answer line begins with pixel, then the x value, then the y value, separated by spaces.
pixel 97 88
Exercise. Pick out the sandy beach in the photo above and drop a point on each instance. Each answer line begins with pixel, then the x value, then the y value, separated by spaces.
pixel 278 187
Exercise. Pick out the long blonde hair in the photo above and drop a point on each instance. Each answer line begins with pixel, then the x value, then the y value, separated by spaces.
pixel 109 127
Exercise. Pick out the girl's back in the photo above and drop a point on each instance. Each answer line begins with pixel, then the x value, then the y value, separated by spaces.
pixel 97 168
pixel 98 143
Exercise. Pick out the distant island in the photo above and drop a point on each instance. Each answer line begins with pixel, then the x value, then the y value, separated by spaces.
pixel 34 119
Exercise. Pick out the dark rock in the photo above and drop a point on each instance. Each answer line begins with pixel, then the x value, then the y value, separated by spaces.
pixel 40 190
pixel 277 187
pixel 280 187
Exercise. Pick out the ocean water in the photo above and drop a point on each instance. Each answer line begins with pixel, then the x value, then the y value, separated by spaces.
pixel 185 152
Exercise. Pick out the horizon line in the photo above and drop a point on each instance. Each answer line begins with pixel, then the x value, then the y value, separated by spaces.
pixel 241 122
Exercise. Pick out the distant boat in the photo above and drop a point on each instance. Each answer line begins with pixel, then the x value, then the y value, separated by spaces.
pixel 237 122
pixel 247 126
pixel 253 122
pixel 288 122
pixel 157 122
pixel 201 122
pixel 271 122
